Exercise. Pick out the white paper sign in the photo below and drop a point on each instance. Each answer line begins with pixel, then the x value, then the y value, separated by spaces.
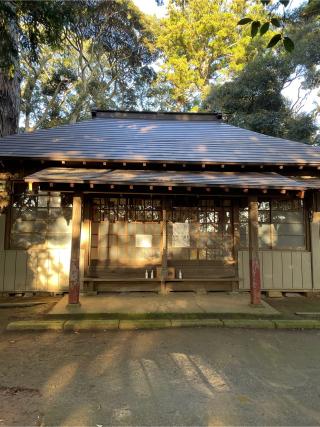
pixel 143 240
pixel 180 235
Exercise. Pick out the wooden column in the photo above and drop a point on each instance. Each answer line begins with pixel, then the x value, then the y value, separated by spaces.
pixel 236 241
pixel 164 250
pixel 255 281
pixel 74 274
pixel 315 249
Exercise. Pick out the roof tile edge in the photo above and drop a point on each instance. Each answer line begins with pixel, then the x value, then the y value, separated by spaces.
pixel 155 115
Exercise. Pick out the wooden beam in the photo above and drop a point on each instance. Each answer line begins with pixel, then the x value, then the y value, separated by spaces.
pixel 255 281
pixel 315 247
pixel 164 251
pixel 74 273
pixel 236 238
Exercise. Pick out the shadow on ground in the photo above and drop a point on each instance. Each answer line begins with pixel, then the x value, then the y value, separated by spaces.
pixel 199 376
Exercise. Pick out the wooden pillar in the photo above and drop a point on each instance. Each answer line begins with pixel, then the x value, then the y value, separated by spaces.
pixel 236 241
pixel 255 281
pixel 74 274
pixel 315 249
pixel 85 244
pixel 164 251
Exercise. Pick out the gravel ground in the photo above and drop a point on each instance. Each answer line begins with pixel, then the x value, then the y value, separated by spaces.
pixel 200 376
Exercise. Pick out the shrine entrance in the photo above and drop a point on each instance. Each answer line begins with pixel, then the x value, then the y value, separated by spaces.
pixel 137 243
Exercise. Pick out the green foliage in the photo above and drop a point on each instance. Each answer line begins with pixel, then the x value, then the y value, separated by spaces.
pixel 31 23
pixel 275 39
pixel 274 21
pixel 288 44
pixel 254 101
pixel 103 62
pixel 312 9
pixel 200 41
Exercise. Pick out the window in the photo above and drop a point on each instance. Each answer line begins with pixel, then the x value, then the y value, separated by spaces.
pixel 126 209
pixel 41 220
pixel 126 231
pixel 202 231
pixel 281 225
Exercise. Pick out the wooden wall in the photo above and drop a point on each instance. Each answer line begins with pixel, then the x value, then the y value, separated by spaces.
pixel 33 269
pixel 47 270
pixel 280 270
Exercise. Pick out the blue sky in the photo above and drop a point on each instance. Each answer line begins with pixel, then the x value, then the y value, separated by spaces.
pixel 291 92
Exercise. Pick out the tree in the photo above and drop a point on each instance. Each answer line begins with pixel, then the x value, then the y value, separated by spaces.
pixel 70 56
pixel 254 101
pixel 312 9
pixel 26 24
pixel 104 62
pixel 199 41
pixel 276 19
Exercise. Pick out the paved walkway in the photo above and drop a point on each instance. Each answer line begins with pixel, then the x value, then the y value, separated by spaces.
pixel 220 303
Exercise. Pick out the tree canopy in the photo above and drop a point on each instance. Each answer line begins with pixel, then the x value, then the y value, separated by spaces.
pixel 103 62
pixel 60 59
pixel 254 98
pixel 199 41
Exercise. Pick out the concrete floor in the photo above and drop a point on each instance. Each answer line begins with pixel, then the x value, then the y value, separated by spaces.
pixel 187 302
pixel 185 377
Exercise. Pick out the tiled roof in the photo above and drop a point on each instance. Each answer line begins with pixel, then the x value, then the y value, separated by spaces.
pixel 149 139
pixel 167 178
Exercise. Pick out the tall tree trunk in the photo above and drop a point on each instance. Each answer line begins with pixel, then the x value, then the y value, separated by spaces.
pixel 9 103
pixel 10 85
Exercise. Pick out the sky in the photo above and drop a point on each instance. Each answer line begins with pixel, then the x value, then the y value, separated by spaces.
pixel 150 7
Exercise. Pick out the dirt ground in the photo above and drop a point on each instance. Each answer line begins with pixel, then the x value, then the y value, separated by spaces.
pixel 22 313
pixel 288 306
pixel 202 376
